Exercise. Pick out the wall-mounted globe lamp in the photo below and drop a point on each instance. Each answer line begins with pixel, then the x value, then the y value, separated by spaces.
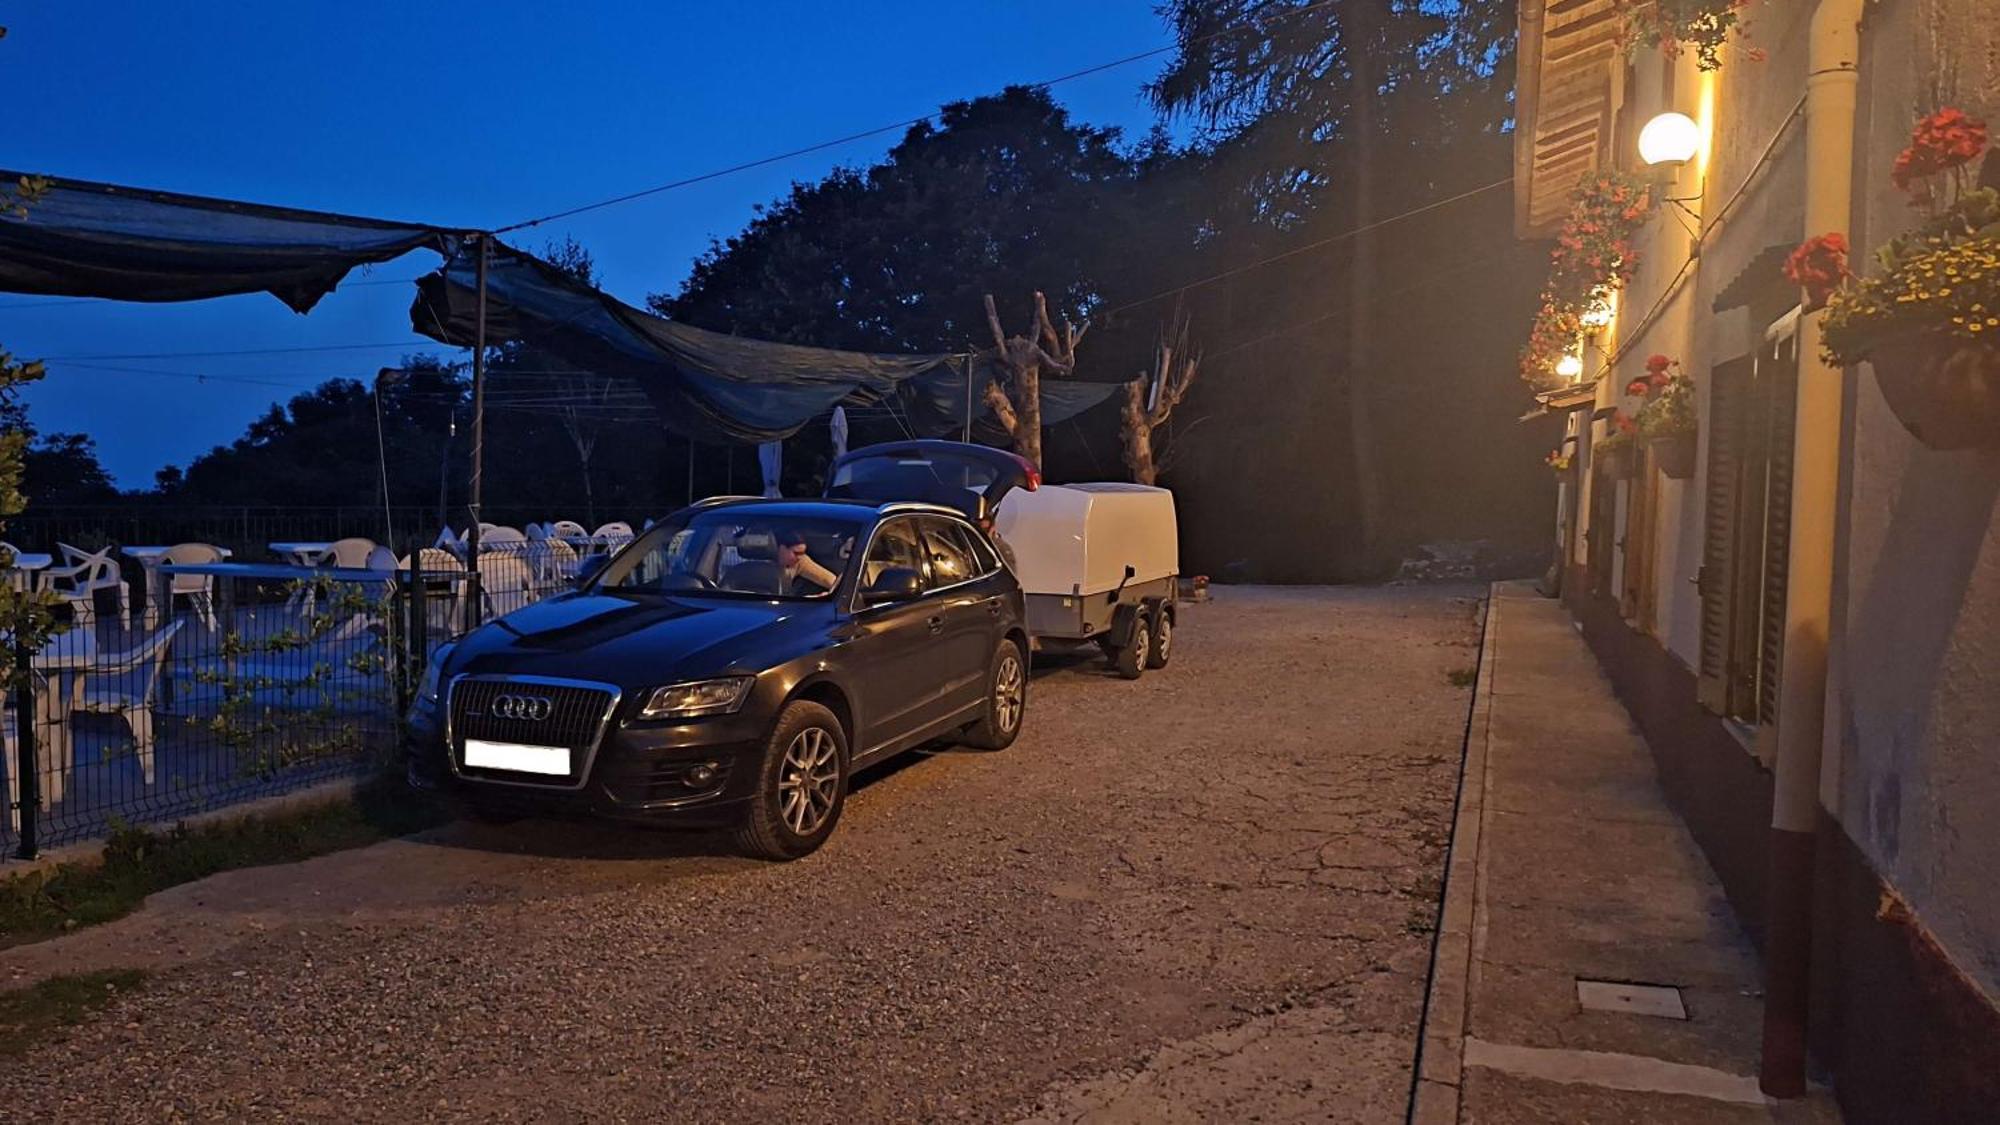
pixel 1570 366
pixel 1669 140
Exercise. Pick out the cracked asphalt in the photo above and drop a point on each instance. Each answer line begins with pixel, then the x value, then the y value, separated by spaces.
pixel 1203 896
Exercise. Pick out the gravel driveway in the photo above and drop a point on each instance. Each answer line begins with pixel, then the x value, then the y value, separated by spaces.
pixel 1202 896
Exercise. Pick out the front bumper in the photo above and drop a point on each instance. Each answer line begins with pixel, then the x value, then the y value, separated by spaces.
pixel 643 771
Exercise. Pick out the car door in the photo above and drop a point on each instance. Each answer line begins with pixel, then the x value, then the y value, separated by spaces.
pixel 893 647
pixel 970 605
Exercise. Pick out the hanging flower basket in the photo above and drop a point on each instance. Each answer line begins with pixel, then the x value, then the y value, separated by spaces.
pixel 1674 454
pixel 1943 388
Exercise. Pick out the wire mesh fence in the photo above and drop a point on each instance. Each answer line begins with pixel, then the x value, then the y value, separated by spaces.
pixel 232 681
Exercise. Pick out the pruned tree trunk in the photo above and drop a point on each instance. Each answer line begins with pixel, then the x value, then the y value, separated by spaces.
pixel 1365 19
pixel 1016 396
pixel 1175 363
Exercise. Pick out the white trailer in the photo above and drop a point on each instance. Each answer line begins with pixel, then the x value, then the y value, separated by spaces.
pixel 1099 563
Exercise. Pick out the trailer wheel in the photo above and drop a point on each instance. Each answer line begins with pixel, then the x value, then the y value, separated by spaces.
pixel 1162 648
pixel 1129 660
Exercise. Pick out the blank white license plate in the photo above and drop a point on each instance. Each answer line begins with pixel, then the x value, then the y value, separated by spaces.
pixel 516 757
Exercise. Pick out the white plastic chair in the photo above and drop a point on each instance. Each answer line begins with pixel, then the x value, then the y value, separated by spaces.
pixel 351 553
pixel 613 535
pixel 504 582
pixel 199 589
pixel 79 579
pixel 568 529
pixel 552 562
pixel 128 685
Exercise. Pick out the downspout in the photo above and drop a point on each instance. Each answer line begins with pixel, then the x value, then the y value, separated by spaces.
pixel 1831 83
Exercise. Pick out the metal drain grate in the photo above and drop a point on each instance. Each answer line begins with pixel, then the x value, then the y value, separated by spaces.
pixel 1662 1001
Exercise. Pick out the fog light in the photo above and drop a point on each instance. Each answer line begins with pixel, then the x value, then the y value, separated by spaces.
pixel 701 775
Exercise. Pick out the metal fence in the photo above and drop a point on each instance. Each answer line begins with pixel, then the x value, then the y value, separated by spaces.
pixel 239 681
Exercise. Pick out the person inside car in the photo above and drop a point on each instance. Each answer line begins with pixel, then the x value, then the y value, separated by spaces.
pixel 802 574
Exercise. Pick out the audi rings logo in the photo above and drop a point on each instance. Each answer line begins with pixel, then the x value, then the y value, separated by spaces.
pixel 525 708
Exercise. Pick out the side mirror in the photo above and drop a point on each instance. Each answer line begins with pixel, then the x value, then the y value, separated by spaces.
pixel 896 584
pixel 589 569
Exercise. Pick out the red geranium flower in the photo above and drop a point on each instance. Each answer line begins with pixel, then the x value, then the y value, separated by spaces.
pixel 1657 362
pixel 1638 387
pixel 1945 140
pixel 1819 266
pixel 1624 423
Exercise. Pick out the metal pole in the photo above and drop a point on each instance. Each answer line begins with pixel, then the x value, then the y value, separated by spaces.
pixel 382 462
pixel 30 770
pixel 690 480
pixel 968 400
pixel 478 430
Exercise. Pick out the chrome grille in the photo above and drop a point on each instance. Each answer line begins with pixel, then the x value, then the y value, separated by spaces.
pixel 576 717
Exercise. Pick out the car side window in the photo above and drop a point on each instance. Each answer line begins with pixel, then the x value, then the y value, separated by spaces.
pixel 953 559
pixel 896 544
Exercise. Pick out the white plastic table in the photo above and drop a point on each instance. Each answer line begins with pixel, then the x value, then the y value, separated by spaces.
pixel 63 661
pixel 26 563
pixel 148 559
pixel 302 554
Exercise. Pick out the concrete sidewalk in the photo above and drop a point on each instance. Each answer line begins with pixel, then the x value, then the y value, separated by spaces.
pixel 1568 866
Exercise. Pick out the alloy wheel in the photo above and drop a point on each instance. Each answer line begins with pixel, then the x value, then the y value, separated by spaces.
pixel 1009 691
pixel 808 781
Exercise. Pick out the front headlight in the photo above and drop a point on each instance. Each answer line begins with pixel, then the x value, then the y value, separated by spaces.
pixel 702 697
pixel 432 683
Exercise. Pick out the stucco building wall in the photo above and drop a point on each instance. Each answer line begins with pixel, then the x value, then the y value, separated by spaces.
pixel 1914 698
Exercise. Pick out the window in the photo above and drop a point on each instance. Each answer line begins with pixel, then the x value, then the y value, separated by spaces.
pixel 896 545
pixel 735 550
pixel 953 559
pixel 1747 531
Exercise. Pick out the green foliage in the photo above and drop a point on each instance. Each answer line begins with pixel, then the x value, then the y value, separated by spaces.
pixel 1943 276
pixel 138 862
pixel 26 617
pixel 1004 195
pixel 1669 410
pixel 30 1016
pixel 272 723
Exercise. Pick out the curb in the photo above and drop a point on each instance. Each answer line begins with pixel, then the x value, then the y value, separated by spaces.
pixel 1440 1062
pixel 90 852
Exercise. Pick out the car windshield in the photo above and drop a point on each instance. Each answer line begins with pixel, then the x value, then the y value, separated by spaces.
pixel 737 551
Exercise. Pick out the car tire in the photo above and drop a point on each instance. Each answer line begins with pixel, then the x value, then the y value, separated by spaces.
pixel 1006 700
pixel 1129 660
pixel 804 760
pixel 1162 648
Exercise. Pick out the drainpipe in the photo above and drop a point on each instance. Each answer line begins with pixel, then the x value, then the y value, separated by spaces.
pixel 1831 82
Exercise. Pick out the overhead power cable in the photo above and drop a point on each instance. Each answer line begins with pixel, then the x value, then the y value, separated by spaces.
pixel 878 130
pixel 239 351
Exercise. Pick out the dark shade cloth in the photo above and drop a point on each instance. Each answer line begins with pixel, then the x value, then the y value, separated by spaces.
pixel 705 385
pixel 934 403
pixel 129 244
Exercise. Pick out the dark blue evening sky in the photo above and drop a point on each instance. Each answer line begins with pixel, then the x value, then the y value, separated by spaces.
pixel 474 114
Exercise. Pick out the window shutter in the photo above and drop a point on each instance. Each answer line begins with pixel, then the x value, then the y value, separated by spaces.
pixel 1777 376
pixel 1638 537
pixel 1716 581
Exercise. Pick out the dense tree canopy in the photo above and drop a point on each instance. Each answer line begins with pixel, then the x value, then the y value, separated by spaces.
pixel 1004 195
pixel 1346 184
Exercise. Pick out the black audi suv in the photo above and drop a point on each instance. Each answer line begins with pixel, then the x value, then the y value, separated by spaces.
pixel 733 667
